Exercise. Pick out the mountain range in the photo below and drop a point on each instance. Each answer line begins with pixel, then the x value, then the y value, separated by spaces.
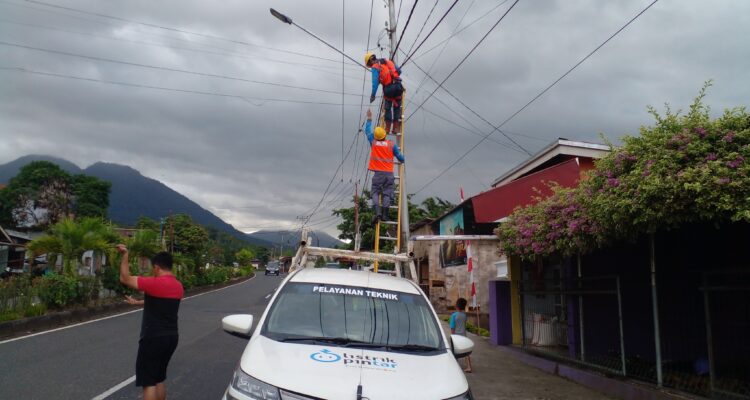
pixel 134 195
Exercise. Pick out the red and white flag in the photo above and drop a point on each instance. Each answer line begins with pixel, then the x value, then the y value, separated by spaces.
pixel 470 268
pixel 470 264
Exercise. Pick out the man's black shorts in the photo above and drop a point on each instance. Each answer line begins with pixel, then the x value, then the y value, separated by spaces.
pixel 153 356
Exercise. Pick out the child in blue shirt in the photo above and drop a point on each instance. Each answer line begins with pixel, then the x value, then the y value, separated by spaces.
pixel 458 325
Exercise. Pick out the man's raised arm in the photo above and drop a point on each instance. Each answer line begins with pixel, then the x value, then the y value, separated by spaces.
pixel 125 277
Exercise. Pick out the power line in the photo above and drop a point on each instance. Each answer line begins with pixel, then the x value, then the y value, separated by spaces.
pixel 143 86
pixel 430 33
pixel 362 99
pixel 167 28
pixel 423 26
pixel 435 60
pixel 406 25
pixel 477 130
pixel 464 60
pixel 461 30
pixel 343 74
pixel 169 69
pixel 141 42
pixel 545 90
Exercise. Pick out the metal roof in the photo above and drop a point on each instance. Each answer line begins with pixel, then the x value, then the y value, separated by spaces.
pixel 560 146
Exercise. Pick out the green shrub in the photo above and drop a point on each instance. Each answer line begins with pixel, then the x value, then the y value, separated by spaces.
pixel 16 293
pixel 35 310
pixel 57 291
pixel 187 279
pixel 216 275
pixel 87 289
pixel 246 271
pixel 110 279
pixel 9 316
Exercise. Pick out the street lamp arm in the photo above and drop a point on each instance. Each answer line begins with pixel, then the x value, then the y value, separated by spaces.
pixel 283 18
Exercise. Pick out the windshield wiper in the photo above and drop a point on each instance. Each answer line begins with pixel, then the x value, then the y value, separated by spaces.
pixel 334 340
pixel 411 347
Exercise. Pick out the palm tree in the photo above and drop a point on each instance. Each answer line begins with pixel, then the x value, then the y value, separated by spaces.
pixel 70 239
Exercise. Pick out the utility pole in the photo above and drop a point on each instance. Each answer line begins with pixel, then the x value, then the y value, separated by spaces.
pixel 404 201
pixel 392 27
pixel 171 233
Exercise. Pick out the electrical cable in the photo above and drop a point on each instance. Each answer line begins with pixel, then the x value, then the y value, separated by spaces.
pixel 343 74
pixel 545 90
pixel 315 67
pixel 167 28
pixel 406 25
pixel 464 60
pixel 362 99
pixel 143 86
pixel 169 69
pixel 423 26
pixel 486 14
pixel 430 33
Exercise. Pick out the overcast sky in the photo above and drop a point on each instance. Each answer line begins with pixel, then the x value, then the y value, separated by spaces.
pixel 260 163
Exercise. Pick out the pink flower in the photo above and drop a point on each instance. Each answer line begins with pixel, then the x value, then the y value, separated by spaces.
pixel 701 132
pixel 614 182
pixel 736 162
pixel 711 157
pixel 729 137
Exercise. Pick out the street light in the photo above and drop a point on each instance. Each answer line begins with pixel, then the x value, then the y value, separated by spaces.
pixel 283 18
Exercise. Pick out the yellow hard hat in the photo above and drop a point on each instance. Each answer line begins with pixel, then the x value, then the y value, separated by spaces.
pixel 368 55
pixel 379 133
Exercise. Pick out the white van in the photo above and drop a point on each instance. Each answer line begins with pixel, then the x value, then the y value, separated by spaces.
pixel 342 334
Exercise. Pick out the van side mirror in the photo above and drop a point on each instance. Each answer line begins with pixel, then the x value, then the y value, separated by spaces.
pixel 238 325
pixel 462 346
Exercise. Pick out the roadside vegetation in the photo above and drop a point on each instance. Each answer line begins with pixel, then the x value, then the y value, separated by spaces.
pixel 71 211
pixel 684 169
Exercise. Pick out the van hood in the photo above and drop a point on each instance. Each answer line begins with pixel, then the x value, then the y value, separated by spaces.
pixel 331 372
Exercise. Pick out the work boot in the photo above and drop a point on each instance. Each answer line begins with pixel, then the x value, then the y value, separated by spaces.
pixel 396 126
pixel 384 214
pixel 387 126
pixel 376 216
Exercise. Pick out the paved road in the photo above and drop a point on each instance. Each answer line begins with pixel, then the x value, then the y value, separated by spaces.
pixel 85 361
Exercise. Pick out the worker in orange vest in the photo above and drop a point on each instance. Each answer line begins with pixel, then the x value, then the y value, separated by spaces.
pixel 386 73
pixel 382 151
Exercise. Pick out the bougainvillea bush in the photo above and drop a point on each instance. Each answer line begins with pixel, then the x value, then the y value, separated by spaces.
pixel 683 169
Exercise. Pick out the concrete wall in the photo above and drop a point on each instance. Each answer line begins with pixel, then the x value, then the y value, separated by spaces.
pixel 446 285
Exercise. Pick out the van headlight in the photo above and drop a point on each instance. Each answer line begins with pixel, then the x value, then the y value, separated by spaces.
pixel 465 396
pixel 254 388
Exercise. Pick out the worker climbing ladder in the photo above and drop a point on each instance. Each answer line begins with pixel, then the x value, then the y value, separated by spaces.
pixel 401 256
pixel 383 228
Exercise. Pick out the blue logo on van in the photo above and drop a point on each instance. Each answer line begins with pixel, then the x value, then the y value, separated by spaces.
pixel 325 356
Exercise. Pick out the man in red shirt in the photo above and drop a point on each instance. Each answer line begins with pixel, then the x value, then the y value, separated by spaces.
pixel 159 333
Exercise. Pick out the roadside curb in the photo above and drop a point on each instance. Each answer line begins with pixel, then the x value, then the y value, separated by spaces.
pixel 25 326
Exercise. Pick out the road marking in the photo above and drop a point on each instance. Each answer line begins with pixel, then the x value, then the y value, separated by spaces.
pixel 115 388
pixel 113 316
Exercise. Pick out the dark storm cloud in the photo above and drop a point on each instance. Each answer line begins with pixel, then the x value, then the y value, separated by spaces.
pixel 263 163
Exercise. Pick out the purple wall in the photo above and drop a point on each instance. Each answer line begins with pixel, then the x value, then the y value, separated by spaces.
pixel 501 331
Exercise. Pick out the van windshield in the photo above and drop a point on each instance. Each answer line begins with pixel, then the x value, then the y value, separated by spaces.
pixel 352 316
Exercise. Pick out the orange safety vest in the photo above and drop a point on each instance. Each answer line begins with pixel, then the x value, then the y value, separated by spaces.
pixel 381 156
pixel 386 71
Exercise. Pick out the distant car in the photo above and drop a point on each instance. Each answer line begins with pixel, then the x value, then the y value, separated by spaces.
pixel 332 265
pixel 272 268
